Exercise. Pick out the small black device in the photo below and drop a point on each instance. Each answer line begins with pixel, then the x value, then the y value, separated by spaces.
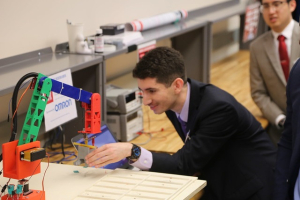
pixel 112 29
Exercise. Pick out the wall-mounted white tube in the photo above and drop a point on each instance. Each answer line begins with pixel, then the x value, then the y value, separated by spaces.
pixel 155 21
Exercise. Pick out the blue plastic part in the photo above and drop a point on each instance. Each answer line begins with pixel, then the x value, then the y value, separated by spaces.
pixel 19 189
pixel 10 189
pixel 69 91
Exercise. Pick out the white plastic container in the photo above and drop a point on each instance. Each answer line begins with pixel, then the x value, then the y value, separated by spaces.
pixel 99 42
pixel 73 31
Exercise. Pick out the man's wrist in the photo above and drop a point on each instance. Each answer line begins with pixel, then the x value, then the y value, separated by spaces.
pixel 129 150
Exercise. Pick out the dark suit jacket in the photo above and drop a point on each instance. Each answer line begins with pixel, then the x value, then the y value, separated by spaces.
pixel 227 146
pixel 288 159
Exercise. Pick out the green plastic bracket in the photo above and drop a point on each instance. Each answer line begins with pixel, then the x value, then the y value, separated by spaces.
pixel 35 111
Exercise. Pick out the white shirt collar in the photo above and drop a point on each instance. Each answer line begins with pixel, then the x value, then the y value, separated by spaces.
pixel 287 32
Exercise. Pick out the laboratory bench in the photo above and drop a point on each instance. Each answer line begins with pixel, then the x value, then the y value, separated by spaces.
pixel 192 37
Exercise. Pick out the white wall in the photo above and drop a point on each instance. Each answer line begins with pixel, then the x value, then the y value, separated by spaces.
pixel 35 24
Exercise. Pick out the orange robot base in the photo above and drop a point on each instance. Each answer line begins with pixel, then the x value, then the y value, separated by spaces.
pixel 13 166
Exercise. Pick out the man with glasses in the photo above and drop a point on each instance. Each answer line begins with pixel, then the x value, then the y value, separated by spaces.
pixel 223 142
pixel 272 55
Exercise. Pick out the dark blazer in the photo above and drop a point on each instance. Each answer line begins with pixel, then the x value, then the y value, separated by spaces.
pixel 288 158
pixel 227 147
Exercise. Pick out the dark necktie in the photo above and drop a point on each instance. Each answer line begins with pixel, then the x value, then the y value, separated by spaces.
pixel 183 125
pixel 284 56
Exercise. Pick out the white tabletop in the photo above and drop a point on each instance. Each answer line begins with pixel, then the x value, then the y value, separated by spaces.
pixel 74 182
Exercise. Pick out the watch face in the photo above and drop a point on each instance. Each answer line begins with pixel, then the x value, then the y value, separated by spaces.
pixel 136 152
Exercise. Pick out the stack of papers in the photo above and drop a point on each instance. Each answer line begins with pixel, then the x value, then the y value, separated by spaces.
pixel 127 38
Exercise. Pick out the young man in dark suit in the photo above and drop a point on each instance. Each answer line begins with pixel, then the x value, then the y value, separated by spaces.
pixel 287 179
pixel 224 144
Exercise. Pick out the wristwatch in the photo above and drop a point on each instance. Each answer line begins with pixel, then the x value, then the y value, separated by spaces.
pixel 135 153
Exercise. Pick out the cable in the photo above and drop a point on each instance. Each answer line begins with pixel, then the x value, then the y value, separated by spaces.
pixel 55 148
pixel 150 137
pixel 19 104
pixel 150 133
pixel 14 102
pixel 4 187
pixel 8 111
pixel 65 159
pixel 33 172
pixel 45 174
pixel 62 140
pixel 13 105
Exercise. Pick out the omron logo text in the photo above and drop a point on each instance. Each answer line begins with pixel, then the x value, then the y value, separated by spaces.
pixel 63 105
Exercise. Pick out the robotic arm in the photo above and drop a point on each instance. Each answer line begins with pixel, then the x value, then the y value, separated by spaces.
pixel 21 158
pixel 90 102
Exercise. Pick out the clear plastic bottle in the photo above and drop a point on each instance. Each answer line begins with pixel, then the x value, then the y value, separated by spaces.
pixel 99 42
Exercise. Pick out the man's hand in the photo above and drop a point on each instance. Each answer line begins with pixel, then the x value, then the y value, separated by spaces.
pixel 281 123
pixel 108 153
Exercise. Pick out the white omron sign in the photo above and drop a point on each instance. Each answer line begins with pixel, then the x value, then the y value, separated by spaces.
pixel 60 109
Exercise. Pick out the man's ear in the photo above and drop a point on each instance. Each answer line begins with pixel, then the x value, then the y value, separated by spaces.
pixel 292 5
pixel 178 84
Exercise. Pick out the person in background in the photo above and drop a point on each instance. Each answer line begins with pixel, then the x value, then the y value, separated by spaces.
pixel 296 13
pixel 287 179
pixel 223 142
pixel 272 55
